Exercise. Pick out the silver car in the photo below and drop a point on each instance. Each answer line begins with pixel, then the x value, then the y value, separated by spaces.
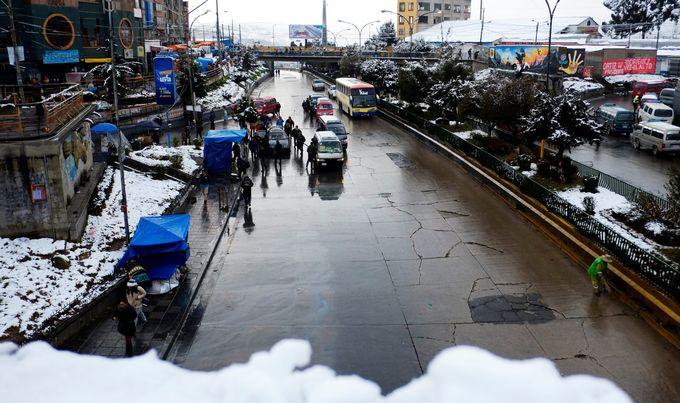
pixel 277 133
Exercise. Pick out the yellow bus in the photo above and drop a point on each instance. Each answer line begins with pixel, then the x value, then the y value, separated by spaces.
pixel 356 97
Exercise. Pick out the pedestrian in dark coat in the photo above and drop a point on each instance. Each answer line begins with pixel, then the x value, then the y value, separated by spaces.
pixel 278 152
pixel 205 186
pixel 236 149
pixel 254 146
pixel 311 155
pixel 300 142
pixel 242 166
pixel 246 190
pixel 126 316
pixel 212 120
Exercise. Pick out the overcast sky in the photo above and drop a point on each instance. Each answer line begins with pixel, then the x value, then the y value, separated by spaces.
pixel 284 12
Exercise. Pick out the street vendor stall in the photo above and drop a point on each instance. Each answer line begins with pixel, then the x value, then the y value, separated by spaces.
pixel 217 146
pixel 160 245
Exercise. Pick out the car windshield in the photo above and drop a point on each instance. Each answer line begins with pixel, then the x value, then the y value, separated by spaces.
pixel 339 130
pixel 325 106
pixel 330 146
pixel 673 136
pixel 277 135
pixel 258 104
pixel 663 113
pixel 625 116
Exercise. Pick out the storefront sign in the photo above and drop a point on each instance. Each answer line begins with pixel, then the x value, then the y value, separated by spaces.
pixel 640 65
pixel 61 56
pixel 166 84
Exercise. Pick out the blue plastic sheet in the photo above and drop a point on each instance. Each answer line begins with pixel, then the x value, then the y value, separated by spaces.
pixel 217 149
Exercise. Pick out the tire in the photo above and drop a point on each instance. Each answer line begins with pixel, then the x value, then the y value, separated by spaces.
pixel 636 144
pixel 655 151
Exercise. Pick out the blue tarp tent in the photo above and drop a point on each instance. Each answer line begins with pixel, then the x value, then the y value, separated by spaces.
pixel 217 149
pixel 104 129
pixel 205 62
pixel 160 245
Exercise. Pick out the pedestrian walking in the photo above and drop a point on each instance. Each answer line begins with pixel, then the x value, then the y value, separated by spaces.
pixel 300 142
pixel 212 120
pixel 288 126
pixel 254 147
pixel 126 315
pixel 246 190
pixel 278 108
pixel 242 166
pixel 596 273
pixel 264 153
pixel 279 121
pixel 311 155
pixel 470 54
pixel 205 186
pixel 135 297
pixel 278 153
pixel 236 150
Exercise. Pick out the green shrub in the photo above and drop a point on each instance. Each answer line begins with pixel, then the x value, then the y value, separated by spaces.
pixel 198 143
pixel 524 162
pixel 176 161
pixel 589 205
pixel 158 172
pixel 175 142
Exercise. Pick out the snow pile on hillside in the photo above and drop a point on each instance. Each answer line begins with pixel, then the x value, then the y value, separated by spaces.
pixel 33 289
pixel 39 373
pixel 160 156
pixel 629 78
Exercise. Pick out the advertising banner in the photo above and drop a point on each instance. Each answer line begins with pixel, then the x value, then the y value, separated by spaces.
pixel 311 32
pixel 61 56
pixel 530 58
pixel 571 62
pixel 166 83
pixel 639 65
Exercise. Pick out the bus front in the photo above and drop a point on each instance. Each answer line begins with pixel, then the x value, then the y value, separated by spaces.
pixel 363 101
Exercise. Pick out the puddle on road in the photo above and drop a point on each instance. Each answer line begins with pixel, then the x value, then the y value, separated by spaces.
pixel 400 160
pixel 517 308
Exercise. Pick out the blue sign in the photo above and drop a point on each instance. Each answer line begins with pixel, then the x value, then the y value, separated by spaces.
pixel 148 14
pixel 61 56
pixel 166 83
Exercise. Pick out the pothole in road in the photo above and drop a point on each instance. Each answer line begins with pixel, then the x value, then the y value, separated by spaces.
pixel 400 160
pixel 516 308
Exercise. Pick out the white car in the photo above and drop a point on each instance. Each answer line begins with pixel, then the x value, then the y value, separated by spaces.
pixel 331 92
pixel 277 134
pixel 318 85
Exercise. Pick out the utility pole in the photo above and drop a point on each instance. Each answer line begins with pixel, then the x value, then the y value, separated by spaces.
pixel 658 33
pixel 481 10
pixel 217 27
pixel 17 63
pixel 551 11
pixel 536 37
pixel 120 149
pixel 630 33
pixel 481 31
pixel 239 34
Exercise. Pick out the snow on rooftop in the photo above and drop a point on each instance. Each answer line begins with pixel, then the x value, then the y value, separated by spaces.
pixel 38 373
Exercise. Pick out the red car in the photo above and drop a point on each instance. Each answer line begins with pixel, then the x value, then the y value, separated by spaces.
pixel 640 88
pixel 324 107
pixel 265 105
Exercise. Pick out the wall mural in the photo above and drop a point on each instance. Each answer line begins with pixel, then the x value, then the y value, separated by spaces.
pixel 571 61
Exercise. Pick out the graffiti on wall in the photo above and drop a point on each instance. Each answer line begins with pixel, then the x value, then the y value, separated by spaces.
pixel 74 149
pixel 637 65
pixel 571 61
pixel 533 59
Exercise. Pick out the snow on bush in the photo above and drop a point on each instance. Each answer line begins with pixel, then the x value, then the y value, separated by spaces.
pixel 227 94
pixel 33 289
pixel 39 373
pixel 578 85
pixel 629 78
pixel 160 156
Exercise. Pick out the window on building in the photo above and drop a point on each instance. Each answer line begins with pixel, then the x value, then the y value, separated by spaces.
pixel 410 20
pixel 410 6
pixel 402 6
pixel 401 19
pixel 59 32
pixel 423 19
pixel 437 6
pixel 456 9
pixel 422 6
pixel 466 9
pixel 401 31
pixel 447 7
pixel 436 20
pixel 447 18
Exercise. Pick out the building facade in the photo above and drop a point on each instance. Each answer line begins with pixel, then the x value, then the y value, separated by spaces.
pixel 415 16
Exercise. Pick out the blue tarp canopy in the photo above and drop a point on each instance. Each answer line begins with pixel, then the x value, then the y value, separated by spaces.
pixel 205 62
pixel 104 129
pixel 160 245
pixel 217 148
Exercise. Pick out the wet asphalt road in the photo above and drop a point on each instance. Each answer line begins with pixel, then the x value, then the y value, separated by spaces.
pixel 617 157
pixel 397 256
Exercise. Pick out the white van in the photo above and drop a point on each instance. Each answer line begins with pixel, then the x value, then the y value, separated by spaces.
pixel 656 112
pixel 660 137
pixel 330 149
pixel 333 124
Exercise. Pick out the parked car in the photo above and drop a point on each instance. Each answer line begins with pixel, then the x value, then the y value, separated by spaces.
pixel 324 107
pixel 314 97
pixel 656 112
pixel 667 96
pixel 277 133
pixel 333 124
pixel 660 137
pixel 615 119
pixel 318 85
pixel 643 87
pixel 265 105
pixel 330 149
pixel 331 92
pixel 650 97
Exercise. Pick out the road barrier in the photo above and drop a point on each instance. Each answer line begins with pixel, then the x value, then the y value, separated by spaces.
pixel 664 276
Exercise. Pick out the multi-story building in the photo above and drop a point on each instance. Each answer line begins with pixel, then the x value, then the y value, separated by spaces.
pixel 415 16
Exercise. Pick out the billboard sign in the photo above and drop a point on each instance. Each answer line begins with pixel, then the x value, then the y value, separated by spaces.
pixel 311 32
pixel 529 58
pixel 61 56
pixel 166 83
pixel 637 65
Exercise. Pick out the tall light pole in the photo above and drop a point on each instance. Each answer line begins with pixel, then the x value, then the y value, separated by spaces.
pixel 191 74
pixel 335 35
pixel 359 30
pixel 551 11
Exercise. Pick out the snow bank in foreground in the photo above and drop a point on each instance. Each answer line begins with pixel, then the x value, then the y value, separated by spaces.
pixel 38 373
pixel 33 290
pixel 157 155
pixel 629 78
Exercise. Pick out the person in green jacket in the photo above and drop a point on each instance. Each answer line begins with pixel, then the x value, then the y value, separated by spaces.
pixel 596 273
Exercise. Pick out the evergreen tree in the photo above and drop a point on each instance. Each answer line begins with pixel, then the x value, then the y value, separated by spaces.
pixel 414 82
pixel 383 74
pixel 386 37
pixel 648 14
pixel 350 63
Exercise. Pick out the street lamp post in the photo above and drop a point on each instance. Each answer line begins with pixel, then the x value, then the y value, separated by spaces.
pixel 191 74
pixel 335 34
pixel 551 11
pixel 359 30
pixel 410 24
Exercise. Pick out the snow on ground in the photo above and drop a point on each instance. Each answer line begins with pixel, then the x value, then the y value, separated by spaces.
pixel 655 227
pixel 578 85
pixel 159 156
pixel 219 97
pixel 33 290
pixel 606 202
pixel 629 78
pixel 482 75
pixel 38 373
pixel 467 135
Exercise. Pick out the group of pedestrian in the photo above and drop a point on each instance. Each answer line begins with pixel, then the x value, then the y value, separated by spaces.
pixel 277 72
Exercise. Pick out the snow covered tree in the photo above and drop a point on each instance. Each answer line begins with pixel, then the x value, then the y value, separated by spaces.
pixel 386 37
pixel 450 69
pixel 648 14
pixel 124 70
pixel 453 83
pixel 562 121
pixel 417 46
pixel 383 74
pixel 350 63
pixel 414 82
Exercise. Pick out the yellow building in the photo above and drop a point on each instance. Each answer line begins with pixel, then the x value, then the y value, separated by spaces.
pixel 415 16
pixel 408 18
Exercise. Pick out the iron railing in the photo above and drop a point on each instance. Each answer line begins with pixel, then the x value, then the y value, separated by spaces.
pixel 650 266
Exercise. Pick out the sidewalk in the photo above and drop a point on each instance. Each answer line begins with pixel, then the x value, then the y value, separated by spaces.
pixel 165 312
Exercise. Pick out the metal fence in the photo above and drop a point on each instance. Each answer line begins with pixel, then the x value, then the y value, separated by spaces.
pixel 658 272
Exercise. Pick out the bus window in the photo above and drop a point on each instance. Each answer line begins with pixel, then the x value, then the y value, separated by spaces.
pixel 363 97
